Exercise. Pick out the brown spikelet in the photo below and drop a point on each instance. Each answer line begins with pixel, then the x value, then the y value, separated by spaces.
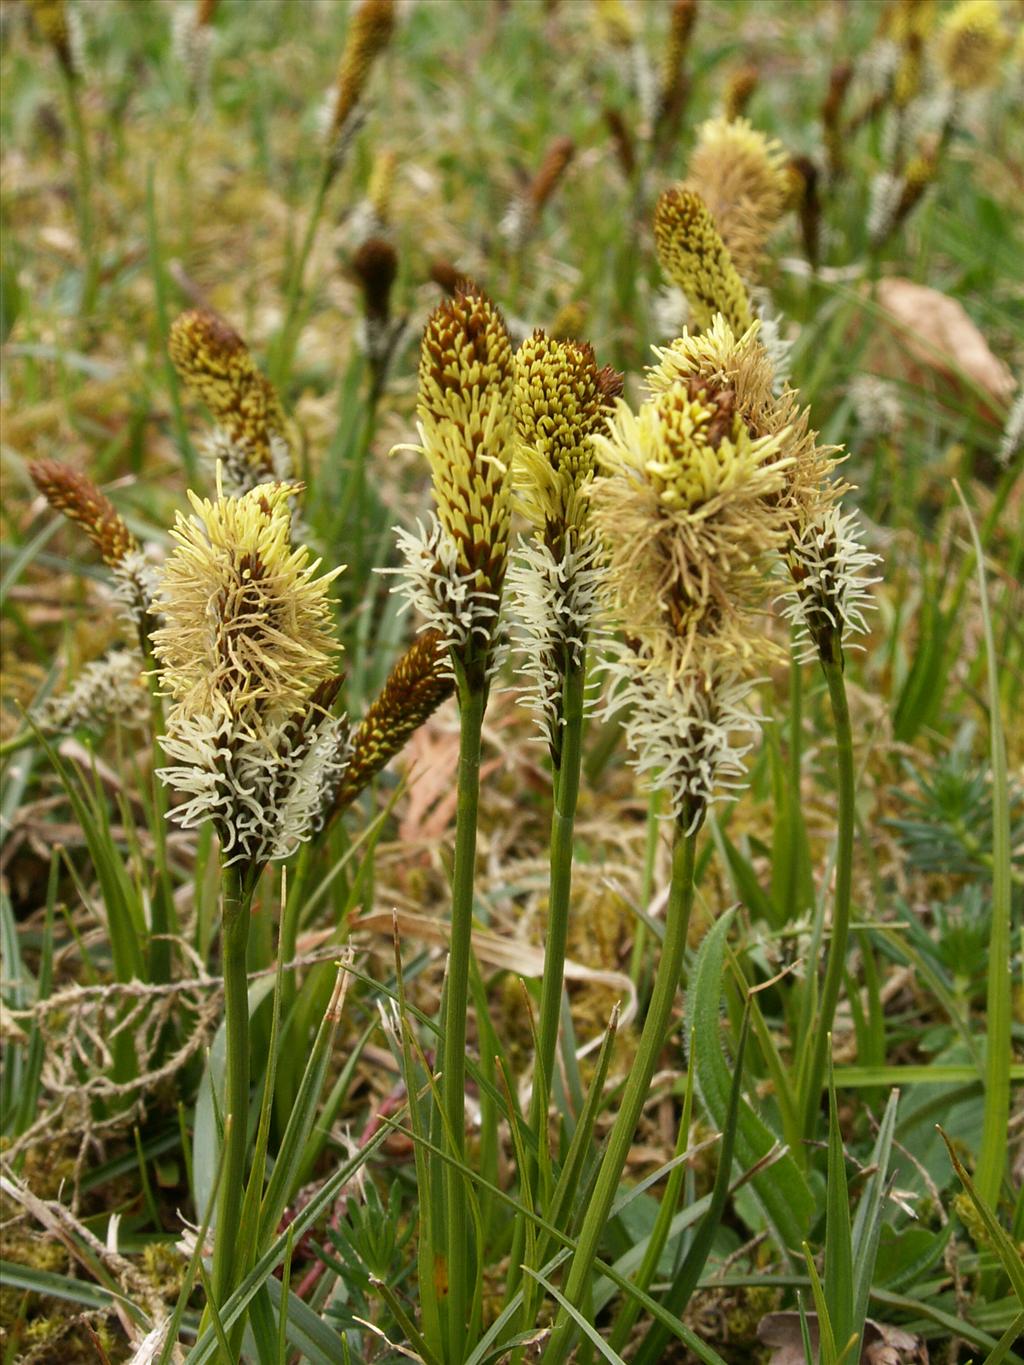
pixel 375 266
pixel 832 115
pixel 216 364
pixel 205 10
pixel 416 687
pixel 445 275
pixel 803 175
pixel 82 502
pixel 622 139
pixel 369 33
pixel 611 384
pixel 739 90
pixel 552 168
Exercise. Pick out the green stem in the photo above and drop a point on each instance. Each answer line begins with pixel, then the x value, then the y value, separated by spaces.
pixel 284 349
pixel 235 938
pixel 835 964
pixel 86 222
pixel 563 824
pixel 472 699
pixel 652 1039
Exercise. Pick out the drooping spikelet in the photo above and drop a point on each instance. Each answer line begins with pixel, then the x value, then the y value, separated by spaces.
pixel 971 42
pixel 247 621
pixel 82 502
pixel 415 688
pixel 693 255
pixel 832 116
pixel 740 174
pixel 51 21
pixel 688 508
pixel 251 441
pixel 369 32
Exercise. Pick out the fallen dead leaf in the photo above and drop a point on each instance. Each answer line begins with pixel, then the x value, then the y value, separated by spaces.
pixel 882 1344
pixel 924 331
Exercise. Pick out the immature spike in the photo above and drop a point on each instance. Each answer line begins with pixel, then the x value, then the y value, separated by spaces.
pixel 739 91
pixel 82 502
pixel 693 255
pixel 674 80
pixel 375 266
pixel 415 688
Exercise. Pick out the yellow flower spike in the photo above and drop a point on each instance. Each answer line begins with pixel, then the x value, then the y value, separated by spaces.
pixel 381 186
pixel 971 42
pixel 218 367
pixel 688 508
pixel 739 91
pixel 741 363
pixel 559 403
pixel 50 18
pixel 741 175
pixel 693 256
pixel 467 429
pixel 248 626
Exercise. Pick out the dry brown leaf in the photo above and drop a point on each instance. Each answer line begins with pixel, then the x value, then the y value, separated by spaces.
pixel 929 331
pixel 882 1344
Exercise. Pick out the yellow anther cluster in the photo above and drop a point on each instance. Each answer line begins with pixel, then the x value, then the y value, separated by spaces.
pixel 741 176
pixel 693 256
pixel 971 42
pixel 248 630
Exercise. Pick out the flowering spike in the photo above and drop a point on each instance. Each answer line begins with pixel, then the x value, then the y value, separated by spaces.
pixel 740 174
pixel 829 567
pixel 216 364
pixel 971 42
pixel 247 622
pixel 466 425
pixel 106 692
pixel 693 255
pixel 560 398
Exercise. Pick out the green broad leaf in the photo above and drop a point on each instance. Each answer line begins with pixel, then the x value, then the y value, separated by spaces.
pixel 781 1191
pixel 904 1258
